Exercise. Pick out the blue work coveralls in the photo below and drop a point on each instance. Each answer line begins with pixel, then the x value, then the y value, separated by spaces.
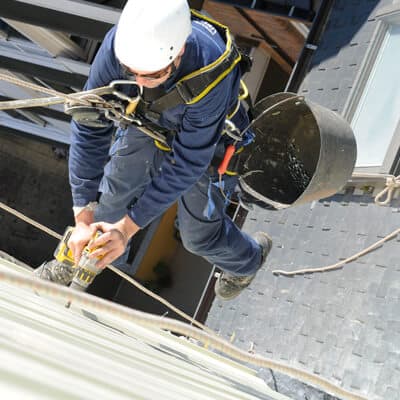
pixel 136 178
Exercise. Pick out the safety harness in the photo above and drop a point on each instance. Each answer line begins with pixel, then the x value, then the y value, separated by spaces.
pixel 145 109
pixel 192 88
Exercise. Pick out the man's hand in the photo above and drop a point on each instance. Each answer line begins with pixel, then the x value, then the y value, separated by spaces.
pixel 112 243
pixel 80 237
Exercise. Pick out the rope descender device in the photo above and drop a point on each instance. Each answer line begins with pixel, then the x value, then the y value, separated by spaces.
pixel 101 111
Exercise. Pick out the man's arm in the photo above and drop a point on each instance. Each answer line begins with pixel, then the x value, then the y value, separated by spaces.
pixel 89 146
pixel 89 150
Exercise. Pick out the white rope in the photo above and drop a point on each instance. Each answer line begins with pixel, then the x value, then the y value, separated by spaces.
pixel 340 263
pixel 87 97
pixel 112 268
pixel 38 88
pixel 392 184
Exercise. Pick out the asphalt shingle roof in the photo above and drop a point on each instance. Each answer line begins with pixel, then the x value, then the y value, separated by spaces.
pixel 341 52
pixel 345 324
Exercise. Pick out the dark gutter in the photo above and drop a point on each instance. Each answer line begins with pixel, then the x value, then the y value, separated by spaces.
pixel 303 63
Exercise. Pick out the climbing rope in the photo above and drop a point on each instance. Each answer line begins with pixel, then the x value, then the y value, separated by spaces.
pixel 392 183
pixel 59 97
pixel 91 98
pixel 340 263
pixel 97 305
pixel 110 267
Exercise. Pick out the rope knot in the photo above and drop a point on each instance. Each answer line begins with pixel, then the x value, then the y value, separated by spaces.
pixel 392 183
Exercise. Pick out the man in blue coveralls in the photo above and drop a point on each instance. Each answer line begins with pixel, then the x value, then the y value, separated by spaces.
pixel 156 42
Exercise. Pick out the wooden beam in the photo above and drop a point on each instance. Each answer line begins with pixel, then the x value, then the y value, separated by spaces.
pixel 244 25
pixel 267 43
pixel 280 31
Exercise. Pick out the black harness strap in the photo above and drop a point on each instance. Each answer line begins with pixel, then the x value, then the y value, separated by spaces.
pixel 187 90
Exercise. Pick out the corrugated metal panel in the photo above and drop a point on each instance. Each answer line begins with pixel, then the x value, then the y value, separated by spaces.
pixel 48 351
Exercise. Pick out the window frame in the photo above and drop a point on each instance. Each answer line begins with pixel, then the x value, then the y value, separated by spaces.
pixel 387 16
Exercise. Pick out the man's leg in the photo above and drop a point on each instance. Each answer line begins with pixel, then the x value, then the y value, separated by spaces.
pixel 207 231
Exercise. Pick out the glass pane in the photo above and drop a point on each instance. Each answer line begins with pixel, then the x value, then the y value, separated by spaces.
pixel 378 112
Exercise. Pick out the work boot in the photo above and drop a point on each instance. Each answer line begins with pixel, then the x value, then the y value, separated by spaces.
pixel 56 272
pixel 229 286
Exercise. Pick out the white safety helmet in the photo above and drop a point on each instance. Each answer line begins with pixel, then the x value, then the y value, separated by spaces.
pixel 151 33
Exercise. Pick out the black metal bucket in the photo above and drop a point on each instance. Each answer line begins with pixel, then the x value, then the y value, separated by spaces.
pixel 302 152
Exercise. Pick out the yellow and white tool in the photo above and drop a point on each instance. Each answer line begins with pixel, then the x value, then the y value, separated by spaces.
pixel 86 270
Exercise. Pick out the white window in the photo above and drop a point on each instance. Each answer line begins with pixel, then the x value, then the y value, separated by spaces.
pixel 374 107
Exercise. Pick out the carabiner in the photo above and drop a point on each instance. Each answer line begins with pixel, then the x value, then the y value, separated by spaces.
pixel 123 96
pixel 232 131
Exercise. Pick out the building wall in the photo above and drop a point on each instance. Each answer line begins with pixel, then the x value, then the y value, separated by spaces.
pixel 34 181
